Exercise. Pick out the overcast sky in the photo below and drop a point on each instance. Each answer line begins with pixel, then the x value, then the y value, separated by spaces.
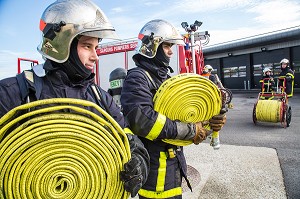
pixel 225 20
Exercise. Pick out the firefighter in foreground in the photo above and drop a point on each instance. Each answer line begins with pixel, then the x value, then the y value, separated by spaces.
pixel 71 32
pixel 152 59
pixel 288 75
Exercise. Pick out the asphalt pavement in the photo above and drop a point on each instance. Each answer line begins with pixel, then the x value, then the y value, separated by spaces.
pixel 254 161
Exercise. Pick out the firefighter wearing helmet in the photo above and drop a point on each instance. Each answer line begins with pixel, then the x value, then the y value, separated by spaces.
pixel 207 72
pixel 116 79
pixel 152 59
pixel 286 77
pixel 267 83
pixel 71 31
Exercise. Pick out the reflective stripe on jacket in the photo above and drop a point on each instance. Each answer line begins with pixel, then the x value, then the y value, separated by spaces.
pixel 165 177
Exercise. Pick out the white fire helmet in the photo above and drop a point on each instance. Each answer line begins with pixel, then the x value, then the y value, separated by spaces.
pixel 153 34
pixel 63 20
pixel 208 68
pixel 267 70
pixel 286 61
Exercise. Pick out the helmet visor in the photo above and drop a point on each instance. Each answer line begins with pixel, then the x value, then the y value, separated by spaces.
pixel 102 34
pixel 175 41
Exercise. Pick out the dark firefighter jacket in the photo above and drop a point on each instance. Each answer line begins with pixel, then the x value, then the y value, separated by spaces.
pixel 137 103
pixel 267 87
pixel 57 85
pixel 288 75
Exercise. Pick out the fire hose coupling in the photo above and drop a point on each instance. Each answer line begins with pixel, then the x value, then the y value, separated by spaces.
pixel 188 98
pixel 61 150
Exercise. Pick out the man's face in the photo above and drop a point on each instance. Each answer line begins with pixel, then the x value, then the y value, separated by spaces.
pixel 167 48
pixel 86 49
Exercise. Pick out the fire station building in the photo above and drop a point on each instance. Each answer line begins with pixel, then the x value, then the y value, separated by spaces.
pixel 240 63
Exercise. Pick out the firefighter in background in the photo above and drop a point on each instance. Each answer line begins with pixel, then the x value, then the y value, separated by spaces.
pixel 152 59
pixel 71 31
pixel 267 84
pixel 116 79
pixel 207 72
pixel 288 75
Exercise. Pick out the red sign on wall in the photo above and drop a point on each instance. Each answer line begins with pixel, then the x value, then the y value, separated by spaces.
pixel 116 48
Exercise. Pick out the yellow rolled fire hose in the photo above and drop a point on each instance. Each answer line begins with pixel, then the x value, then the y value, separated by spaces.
pixel 269 110
pixel 188 97
pixel 61 150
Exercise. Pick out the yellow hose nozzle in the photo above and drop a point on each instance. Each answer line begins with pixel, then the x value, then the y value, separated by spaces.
pixel 215 140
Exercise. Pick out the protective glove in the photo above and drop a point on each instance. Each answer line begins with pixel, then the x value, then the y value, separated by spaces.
pixel 132 175
pixel 192 131
pixel 217 122
pixel 200 132
pixel 288 78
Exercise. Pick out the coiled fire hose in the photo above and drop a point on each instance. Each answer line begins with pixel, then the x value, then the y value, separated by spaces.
pixel 269 110
pixel 188 97
pixel 61 150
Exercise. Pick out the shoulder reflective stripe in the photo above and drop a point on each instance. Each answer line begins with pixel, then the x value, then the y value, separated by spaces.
pixel 29 75
pixel 157 127
pixel 128 131
pixel 290 74
pixel 164 194
pixel 162 170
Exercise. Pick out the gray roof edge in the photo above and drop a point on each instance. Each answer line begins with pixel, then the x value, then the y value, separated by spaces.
pixel 252 42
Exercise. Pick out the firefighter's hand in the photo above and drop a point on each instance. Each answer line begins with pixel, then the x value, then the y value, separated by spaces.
pixel 132 175
pixel 217 122
pixel 200 132
pixel 288 78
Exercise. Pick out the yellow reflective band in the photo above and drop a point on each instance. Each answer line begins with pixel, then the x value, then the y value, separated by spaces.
pixel 128 131
pixel 290 74
pixel 157 127
pixel 164 194
pixel 290 95
pixel 162 170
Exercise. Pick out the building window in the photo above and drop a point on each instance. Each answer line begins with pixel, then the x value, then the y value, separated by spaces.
pixel 242 71
pixel 237 71
pixel 257 69
pixel 276 69
pixel 215 71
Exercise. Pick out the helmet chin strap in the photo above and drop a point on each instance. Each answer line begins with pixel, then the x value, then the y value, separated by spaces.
pixel 74 68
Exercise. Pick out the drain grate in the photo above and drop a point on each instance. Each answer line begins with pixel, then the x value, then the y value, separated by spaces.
pixel 194 178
